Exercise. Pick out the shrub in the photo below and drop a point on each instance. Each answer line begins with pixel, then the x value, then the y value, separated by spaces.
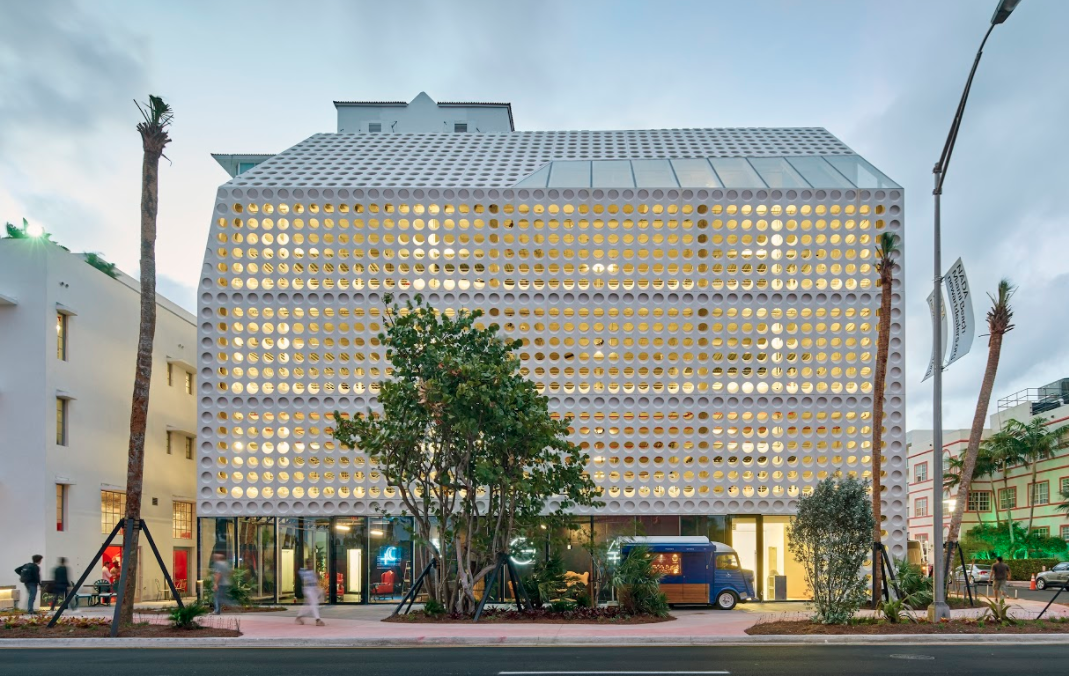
pixel 638 585
pixel 240 592
pixel 915 586
pixel 1023 569
pixel 186 616
pixel 562 605
pixel 832 536
pixel 434 608
pixel 894 611
pixel 999 612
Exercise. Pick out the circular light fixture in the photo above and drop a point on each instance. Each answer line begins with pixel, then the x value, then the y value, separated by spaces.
pixel 523 554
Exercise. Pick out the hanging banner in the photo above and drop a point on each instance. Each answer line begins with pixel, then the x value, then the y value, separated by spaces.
pixel 960 301
pixel 942 330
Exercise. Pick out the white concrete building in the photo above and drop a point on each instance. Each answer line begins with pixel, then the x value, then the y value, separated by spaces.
pixel 701 302
pixel 1012 489
pixel 68 341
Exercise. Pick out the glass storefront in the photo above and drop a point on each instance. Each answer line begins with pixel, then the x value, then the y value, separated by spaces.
pixel 374 560
pixel 358 559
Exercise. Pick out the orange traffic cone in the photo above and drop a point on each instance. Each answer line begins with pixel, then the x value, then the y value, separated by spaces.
pixel 1032 584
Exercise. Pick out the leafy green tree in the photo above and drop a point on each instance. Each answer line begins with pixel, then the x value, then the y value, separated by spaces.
pixel 831 537
pixel 466 443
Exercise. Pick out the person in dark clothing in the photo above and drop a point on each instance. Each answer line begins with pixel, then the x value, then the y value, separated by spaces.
pixel 1001 572
pixel 61 582
pixel 30 575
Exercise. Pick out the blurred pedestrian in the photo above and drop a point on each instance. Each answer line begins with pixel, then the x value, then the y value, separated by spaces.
pixel 30 576
pixel 310 588
pixel 61 582
pixel 1001 573
pixel 221 581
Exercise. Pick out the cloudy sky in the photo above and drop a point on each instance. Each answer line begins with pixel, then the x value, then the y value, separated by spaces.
pixel 260 76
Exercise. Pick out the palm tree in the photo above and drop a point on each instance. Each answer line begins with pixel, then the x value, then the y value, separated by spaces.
pixel 1064 506
pixel 1004 449
pixel 887 251
pixel 998 325
pixel 153 129
pixel 1036 443
pixel 984 468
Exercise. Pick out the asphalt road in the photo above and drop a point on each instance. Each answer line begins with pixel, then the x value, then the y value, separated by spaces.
pixel 875 660
pixel 1025 593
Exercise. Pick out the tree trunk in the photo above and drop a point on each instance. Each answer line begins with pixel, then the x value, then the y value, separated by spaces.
pixel 994 349
pixel 1032 496
pixel 135 466
pixel 1009 510
pixel 882 353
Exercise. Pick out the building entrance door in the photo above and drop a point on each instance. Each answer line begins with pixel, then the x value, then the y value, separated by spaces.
pixel 348 560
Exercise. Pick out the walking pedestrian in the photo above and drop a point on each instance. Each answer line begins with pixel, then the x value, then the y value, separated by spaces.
pixel 1001 572
pixel 221 580
pixel 30 575
pixel 61 582
pixel 310 587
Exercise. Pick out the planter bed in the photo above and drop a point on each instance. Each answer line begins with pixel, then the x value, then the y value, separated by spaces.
pixel 609 615
pixel 863 626
pixel 95 628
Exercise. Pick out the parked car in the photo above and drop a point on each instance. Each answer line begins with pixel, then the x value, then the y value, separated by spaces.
pixel 1058 576
pixel 977 574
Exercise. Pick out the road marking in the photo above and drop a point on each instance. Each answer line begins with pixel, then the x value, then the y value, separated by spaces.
pixel 912 657
pixel 585 673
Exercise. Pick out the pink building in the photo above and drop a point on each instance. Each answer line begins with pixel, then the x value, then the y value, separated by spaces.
pixel 1013 489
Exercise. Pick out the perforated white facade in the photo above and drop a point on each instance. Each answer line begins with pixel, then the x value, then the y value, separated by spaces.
pixel 713 339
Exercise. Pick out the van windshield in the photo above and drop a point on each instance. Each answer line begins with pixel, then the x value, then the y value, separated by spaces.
pixel 727 561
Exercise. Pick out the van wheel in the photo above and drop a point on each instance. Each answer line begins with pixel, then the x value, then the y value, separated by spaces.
pixel 1041 584
pixel 726 600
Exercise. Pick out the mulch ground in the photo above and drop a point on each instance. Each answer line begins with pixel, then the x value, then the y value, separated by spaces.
pixel 805 627
pixel 137 631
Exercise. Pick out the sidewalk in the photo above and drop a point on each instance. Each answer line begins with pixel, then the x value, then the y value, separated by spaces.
pixel 361 626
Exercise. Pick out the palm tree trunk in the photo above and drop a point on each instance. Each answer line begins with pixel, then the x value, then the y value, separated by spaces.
pixel 135 466
pixel 1009 510
pixel 994 350
pixel 882 350
pixel 1032 495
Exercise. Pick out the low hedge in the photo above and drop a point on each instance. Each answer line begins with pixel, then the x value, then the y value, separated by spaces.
pixel 1023 569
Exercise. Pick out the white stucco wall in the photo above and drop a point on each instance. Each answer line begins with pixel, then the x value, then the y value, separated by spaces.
pixel 98 377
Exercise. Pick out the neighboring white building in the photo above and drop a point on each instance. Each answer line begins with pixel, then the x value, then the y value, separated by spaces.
pixel 702 302
pixel 1011 488
pixel 68 342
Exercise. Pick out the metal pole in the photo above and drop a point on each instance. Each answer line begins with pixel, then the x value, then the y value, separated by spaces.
pixel 939 609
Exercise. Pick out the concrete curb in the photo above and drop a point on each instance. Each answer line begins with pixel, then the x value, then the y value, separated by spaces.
pixel 534 642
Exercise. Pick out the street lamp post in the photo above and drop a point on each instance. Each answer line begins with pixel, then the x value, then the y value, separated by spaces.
pixel 939 609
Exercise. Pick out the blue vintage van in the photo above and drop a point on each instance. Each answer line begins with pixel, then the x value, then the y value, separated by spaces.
pixel 697 571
